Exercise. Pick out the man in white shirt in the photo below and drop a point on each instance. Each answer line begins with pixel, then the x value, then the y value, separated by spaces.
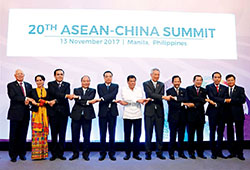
pixel 132 98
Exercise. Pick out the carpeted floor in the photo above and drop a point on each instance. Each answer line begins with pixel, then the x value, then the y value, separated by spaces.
pixel 131 164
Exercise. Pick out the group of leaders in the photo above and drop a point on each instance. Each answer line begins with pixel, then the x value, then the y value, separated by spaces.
pixel 50 107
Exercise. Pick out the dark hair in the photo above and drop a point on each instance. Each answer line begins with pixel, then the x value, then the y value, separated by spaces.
pixel 42 77
pixel 175 76
pixel 107 72
pixel 85 76
pixel 229 76
pixel 197 76
pixel 216 73
pixel 59 69
pixel 131 77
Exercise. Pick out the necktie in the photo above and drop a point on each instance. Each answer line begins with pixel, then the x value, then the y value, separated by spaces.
pixel 21 85
pixel 197 90
pixel 230 92
pixel 177 91
pixel 217 88
pixel 83 92
pixel 59 85
pixel 107 88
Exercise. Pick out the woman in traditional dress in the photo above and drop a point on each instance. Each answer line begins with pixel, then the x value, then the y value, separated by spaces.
pixel 40 127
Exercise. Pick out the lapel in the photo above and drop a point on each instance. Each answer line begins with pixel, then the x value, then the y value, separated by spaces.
pixel 234 90
pixel 152 85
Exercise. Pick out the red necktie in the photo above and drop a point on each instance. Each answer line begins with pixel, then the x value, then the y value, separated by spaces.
pixel 21 85
pixel 197 90
pixel 217 87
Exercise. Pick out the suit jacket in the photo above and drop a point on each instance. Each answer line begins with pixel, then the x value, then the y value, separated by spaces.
pixel 155 94
pixel 108 96
pixel 81 104
pixel 62 103
pixel 197 113
pixel 215 112
pixel 234 110
pixel 18 110
pixel 177 113
pixel 34 95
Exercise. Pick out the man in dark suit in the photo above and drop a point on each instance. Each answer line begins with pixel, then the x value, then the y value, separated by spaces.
pixel 154 113
pixel 58 114
pixel 196 116
pixel 82 115
pixel 217 93
pixel 235 114
pixel 177 116
pixel 108 113
pixel 19 115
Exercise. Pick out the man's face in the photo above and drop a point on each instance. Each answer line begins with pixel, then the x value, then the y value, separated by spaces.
pixel 155 75
pixel 85 82
pixel 59 76
pixel 198 82
pixel 231 82
pixel 19 75
pixel 131 83
pixel 217 78
pixel 176 82
pixel 108 78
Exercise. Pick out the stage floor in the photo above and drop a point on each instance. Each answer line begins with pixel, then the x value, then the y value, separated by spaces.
pixel 131 164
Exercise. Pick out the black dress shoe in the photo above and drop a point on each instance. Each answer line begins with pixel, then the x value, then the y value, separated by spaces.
pixel 62 158
pixel 161 157
pixel 182 156
pixel 241 157
pixel 52 158
pixel 23 158
pixel 126 157
pixel 222 156
pixel 85 157
pixel 192 156
pixel 231 156
pixel 13 159
pixel 102 157
pixel 148 157
pixel 171 156
pixel 137 157
pixel 214 157
pixel 112 158
pixel 202 156
pixel 73 157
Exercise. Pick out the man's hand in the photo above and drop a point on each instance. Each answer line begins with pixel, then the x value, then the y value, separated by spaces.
pixel 189 105
pixel 70 96
pixel 210 101
pixel 141 101
pixel 123 103
pixel 166 97
pixel 147 100
pixel 227 100
pixel 93 101
pixel 51 103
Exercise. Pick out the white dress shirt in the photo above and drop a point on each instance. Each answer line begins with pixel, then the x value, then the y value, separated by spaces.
pixel 133 109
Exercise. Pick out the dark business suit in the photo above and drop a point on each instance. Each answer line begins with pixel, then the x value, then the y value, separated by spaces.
pixel 154 115
pixel 19 116
pixel 108 113
pixel 235 114
pixel 177 118
pixel 58 116
pixel 216 116
pixel 82 115
pixel 196 118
